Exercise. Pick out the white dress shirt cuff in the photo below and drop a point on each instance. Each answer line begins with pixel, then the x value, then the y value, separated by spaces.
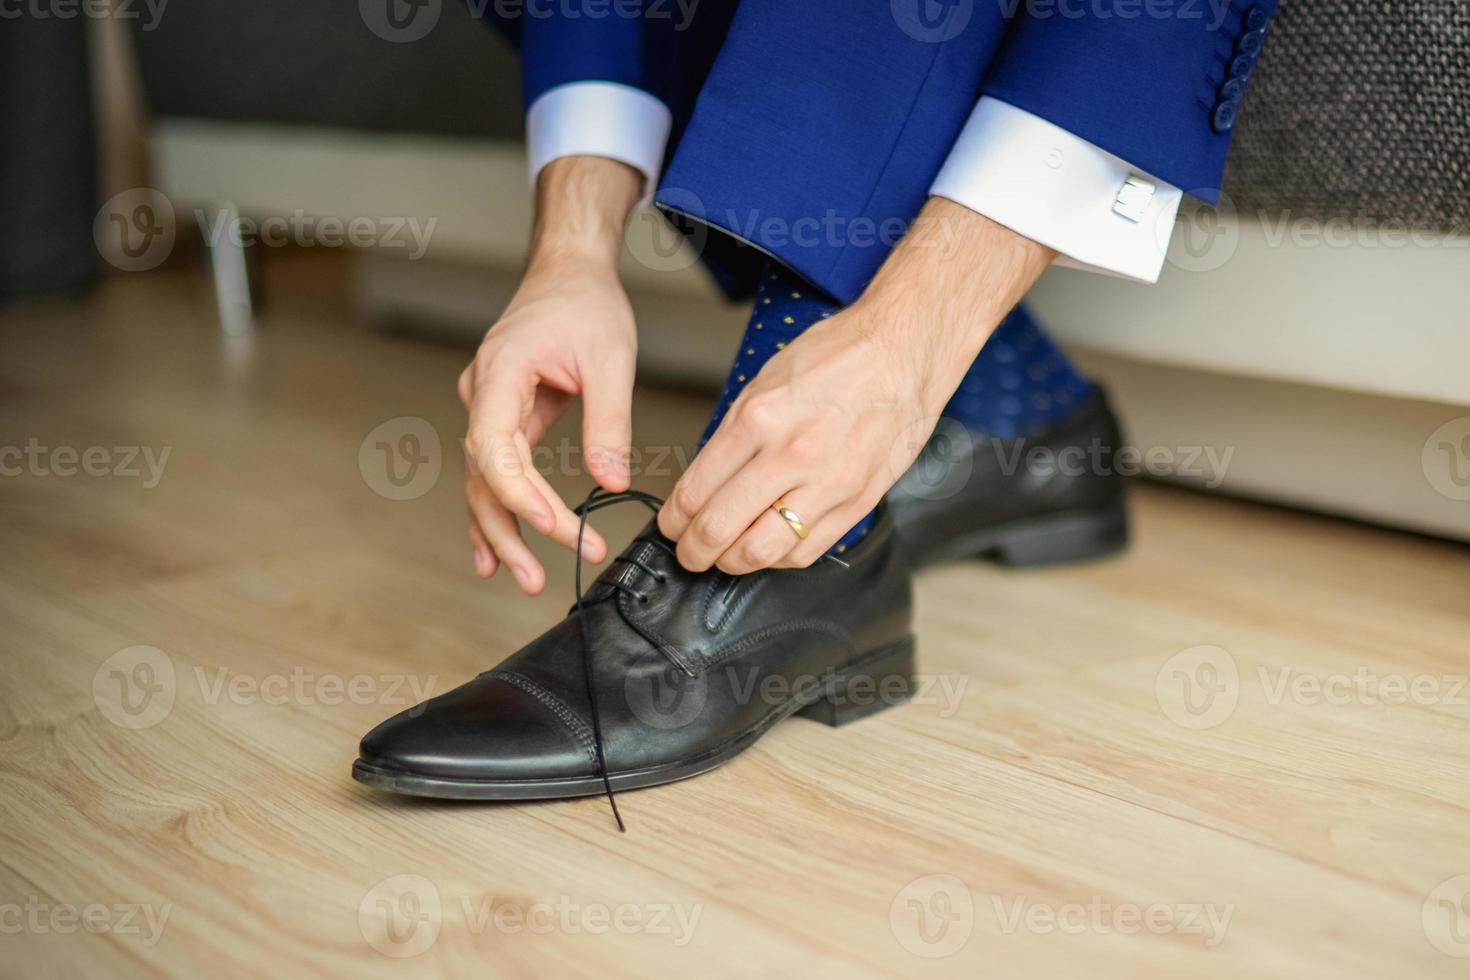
pixel 599 119
pixel 1041 181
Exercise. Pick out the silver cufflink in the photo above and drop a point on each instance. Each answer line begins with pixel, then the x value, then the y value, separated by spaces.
pixel 1133 198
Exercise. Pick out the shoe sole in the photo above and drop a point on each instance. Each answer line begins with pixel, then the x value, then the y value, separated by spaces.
pixel 1051 539
pixel 886 676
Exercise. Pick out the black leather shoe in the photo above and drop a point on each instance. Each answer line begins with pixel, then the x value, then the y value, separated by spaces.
pixel 1052 497
pixel 686 671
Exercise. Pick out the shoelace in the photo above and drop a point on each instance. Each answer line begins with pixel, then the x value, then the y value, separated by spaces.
pixel 596 500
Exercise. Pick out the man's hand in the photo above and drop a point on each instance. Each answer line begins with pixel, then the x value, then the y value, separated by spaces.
pixel 832 422
pixel 817 427
pixel 568 331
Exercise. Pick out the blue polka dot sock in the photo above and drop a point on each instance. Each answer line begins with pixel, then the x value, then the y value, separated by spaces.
pixel 1020 384
pixel 785 305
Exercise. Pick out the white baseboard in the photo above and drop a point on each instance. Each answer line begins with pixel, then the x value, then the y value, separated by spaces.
pixel 1367 457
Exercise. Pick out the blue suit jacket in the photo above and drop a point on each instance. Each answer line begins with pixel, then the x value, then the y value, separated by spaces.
pixel 812 129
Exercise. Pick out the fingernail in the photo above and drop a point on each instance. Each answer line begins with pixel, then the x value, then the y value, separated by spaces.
pixel 589 550
pixel 482 561
pixel 543 523
pixel 522 576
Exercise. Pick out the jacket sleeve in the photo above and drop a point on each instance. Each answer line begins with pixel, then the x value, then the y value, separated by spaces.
pixel 1158 83
pixel 610 78
pixel 566 41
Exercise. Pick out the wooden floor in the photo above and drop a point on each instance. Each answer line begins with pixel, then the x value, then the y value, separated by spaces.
pixel 1240 750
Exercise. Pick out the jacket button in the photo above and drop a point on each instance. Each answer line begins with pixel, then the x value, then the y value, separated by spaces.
pixel 1251 43
pixel 1233 90
pixel 1241 66
pixel 1224 116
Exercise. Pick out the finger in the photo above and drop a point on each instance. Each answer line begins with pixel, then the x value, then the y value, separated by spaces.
pixel 766 542
pixel 465 387
pixel 607 421
pixel 733 445
pixel 498 525
pixel 825 533
pixel 594 548
pixel 547 405
pixel 500 458
pixel 485 563
pixel 771 538
pixel 730 512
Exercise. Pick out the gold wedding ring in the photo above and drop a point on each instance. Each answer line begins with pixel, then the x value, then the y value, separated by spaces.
pixel 791 517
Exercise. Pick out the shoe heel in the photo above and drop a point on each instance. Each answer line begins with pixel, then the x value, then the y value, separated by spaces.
pixel 1066 538
pixel 879 680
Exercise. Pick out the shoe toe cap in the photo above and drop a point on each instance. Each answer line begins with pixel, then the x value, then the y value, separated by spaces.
pixel 489 729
